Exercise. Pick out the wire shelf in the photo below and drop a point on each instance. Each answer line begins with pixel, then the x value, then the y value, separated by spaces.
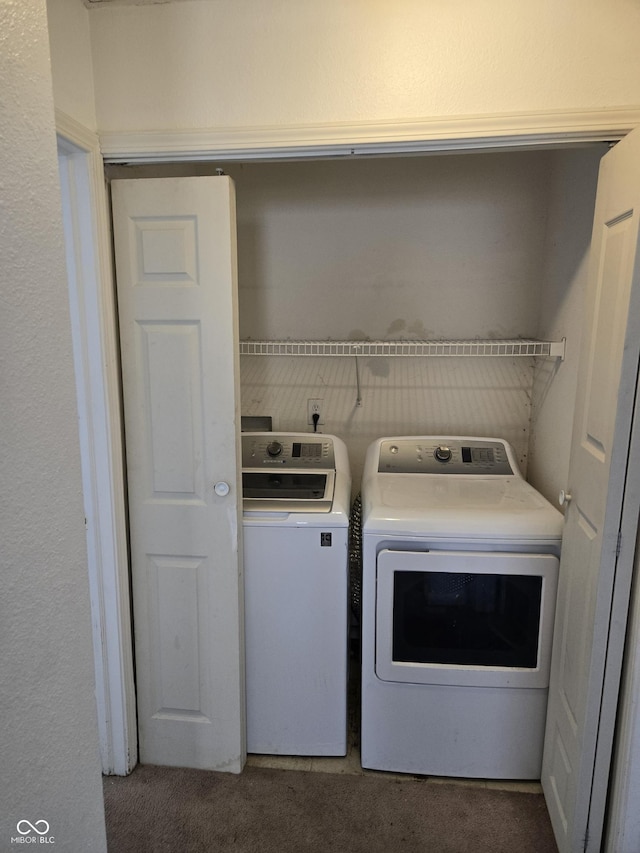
pixel 492 348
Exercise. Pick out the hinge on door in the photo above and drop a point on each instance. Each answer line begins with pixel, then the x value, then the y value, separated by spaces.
pixel 619 543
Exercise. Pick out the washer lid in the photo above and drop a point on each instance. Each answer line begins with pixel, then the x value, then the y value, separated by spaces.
pixel 288 491
pixel 445 507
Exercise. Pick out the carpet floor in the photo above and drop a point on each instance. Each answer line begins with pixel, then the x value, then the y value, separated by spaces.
pixel 169 810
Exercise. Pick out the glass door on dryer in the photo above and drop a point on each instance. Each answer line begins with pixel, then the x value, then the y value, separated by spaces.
pixel 467 618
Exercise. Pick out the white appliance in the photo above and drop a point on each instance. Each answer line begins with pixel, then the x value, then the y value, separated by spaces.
pixel 460 563
pixel 296 500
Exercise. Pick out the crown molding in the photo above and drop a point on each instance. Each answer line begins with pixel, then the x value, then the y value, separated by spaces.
pixel 513 130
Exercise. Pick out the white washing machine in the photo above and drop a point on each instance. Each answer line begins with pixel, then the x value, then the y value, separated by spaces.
pixel 296 500
pixel 460 565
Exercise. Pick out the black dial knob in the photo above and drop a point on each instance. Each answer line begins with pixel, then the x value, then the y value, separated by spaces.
pixel 274 449
pixel 442 453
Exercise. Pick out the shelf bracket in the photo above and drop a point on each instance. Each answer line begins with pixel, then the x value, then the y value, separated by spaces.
pixel 557 349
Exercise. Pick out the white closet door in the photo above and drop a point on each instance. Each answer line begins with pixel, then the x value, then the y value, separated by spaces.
pixel 177 300
pixel 594 579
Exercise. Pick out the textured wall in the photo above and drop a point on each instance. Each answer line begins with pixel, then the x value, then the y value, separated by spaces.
pixel 48 740
pixel 205 64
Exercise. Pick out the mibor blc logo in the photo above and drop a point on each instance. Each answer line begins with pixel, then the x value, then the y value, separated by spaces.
pixel 33 833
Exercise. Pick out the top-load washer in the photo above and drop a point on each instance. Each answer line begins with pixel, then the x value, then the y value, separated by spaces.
pixel 460 564
pixel 296 500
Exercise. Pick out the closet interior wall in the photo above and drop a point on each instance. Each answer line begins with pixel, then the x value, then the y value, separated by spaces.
pixel 457 246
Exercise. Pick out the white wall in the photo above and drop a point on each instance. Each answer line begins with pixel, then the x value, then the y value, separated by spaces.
pixel 238 63
pixel 422 247
pixel 49 744
pixel 71 60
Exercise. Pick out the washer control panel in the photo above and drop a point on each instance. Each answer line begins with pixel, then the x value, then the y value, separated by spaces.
pixel 434 455
pixel 271 450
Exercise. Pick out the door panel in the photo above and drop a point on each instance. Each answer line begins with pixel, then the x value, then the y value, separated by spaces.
pixel 174 422
pixel 177 301
pixel 594 584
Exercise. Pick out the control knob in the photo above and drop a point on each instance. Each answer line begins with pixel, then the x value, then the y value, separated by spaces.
pixel 442 453
pixel 274 448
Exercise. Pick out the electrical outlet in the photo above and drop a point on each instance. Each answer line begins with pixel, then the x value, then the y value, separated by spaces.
pixel 314 407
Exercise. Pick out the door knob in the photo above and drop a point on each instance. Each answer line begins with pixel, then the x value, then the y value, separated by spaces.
pixel 564 498
pixel 222 489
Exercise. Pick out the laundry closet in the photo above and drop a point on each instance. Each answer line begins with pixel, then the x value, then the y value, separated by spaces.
pixel 481 247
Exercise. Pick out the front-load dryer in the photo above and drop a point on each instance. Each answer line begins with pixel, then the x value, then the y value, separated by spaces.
pixel 296 501
pixel 460 566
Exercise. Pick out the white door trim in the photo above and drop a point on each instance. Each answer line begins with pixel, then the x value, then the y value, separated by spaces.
pixel 90 276
pixel 481 132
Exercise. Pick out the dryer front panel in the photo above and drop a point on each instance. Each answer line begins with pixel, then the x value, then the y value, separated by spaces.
pixel 467 618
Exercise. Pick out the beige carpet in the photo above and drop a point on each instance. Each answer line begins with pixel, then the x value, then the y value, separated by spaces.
pixel 292 811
